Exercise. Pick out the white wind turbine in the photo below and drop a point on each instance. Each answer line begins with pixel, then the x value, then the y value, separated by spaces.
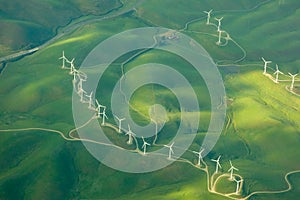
pixel 64 59
pixel 103 117
pixel 200 158
pixel 145 144
pixel 120 123
pixel 293 80
pixel 238 185
pixel 170 150
pixel 80 83
pixel 98 108
pixel 90 101
pixel 266 64
pixel 75 75
pixel 72 67
pixel 219 37
pixel 208 16
pixel 231 170
pixel 130 135
pixel 277 72
pixel 81 93
pixel 219 23
pixel 218 165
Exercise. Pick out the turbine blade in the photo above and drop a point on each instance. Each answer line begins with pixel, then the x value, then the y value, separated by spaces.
pixel 219 165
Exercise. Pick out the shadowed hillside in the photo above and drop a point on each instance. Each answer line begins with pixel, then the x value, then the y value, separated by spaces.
pixel 26 24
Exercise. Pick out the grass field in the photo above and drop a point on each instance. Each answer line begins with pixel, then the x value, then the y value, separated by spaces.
pixel 262 132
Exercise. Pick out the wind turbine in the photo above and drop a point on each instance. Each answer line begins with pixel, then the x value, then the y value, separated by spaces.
pixel 145 144
pixel 80 83
pixel 130 135
pixel 217 164
pixel 64 59
pixel 72 67
pixel 75 75
pixel 170 150
pixel 219 23
pixel 277 72
pixel 103 117
pixel 208 16
pixel 81 93
pixel 220 35
pixel 98 108
pixel 293 80
pixel 231 169
pixel 199 156
pixel 90 99
pixel 238 185
pixel 120 123
pixel 266 64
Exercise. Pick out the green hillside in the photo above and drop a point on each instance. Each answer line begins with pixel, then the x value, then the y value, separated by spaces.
pixel 26 24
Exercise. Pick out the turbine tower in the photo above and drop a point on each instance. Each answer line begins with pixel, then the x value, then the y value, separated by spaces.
pixel 98 109
pixel 103 117
pixel 120 123
pixel 80 83
pixel 219 37
pixel 81 93
pixel 64 59
pixel 208 16
pixel 218 165
pixel 200 158
pixel 219 23
pixel 72 67
pixel 293 80
pixel 90 99
pixel 277 72
pixel 170 150
pixel 231 170
pixel 145 144
pixel 266 64
pixel 238 185
pixel 130 135
pixel 75 75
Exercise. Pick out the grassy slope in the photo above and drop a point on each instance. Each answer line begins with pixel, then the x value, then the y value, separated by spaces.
pixel 181 12
pixel 280 128
pixel 267 120
pixel 274 28
pixel 26 24
pixel 51 89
